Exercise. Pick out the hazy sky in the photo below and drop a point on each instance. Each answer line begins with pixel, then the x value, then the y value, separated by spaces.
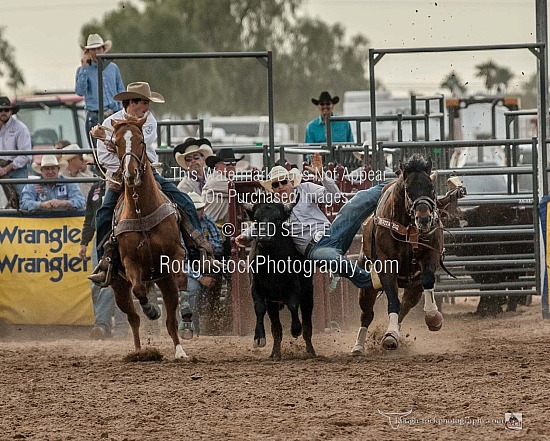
pixel 45 35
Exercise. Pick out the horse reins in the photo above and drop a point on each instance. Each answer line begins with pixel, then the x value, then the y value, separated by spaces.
pixel 96 157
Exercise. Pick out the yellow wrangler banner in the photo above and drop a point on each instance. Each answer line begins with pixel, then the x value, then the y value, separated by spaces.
pixel 42 279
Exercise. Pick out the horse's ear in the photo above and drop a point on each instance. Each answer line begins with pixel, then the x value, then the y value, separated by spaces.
pixel 401 168
pixel 429 162
pixel 117 122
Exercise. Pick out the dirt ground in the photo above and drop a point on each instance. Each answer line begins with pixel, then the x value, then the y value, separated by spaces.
pixel 458 383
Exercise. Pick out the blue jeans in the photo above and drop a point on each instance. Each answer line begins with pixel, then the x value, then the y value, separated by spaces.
pixel 105 307
pixel 190 299
pixel 104 216
pixel 339 236
pixel 91 121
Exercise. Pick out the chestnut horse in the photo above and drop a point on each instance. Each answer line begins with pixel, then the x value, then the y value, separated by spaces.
pixel 403 244
pixel 148 235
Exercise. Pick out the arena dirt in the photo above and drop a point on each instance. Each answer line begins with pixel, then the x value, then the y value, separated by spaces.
pixel 458 383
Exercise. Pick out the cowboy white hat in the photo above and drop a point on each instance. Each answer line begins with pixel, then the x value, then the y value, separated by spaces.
pixel 191 146
pixel 95 41
pixel 68 156
pixel 49 161
pixel 279 173
pixel 197 200
pixel 359 155
pixel 140 90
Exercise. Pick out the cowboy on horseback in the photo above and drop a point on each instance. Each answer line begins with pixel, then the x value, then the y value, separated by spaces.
pixel 136 101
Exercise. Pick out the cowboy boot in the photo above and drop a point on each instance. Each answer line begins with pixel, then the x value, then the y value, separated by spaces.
pixel 200 248
pixel 102 275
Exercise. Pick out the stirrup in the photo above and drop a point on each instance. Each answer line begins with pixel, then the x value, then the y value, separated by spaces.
pixel 100 277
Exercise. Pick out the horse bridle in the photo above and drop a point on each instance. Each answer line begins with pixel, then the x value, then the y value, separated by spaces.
pixel 141 160
pixel 412 205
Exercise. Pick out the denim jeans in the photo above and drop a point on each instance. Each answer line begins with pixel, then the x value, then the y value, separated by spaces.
pixel 339 236
pixel 91 121
pixel 104 216
pixel 105 307
pixel 191 298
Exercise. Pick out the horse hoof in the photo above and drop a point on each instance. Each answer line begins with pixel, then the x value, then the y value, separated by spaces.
pixel 152 312
pixel 434 323
pixel 180 353
pixel 296 332
pixel 358 350
pixel 259 342
pixel 390 342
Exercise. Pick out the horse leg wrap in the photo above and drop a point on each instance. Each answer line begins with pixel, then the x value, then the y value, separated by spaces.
pixel 150 311
pixel 390 340
pixel 393 327
pixel 359 347
pixel 430 307
pixel 433 318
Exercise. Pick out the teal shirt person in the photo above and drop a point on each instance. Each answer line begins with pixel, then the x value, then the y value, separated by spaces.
pixel 316 130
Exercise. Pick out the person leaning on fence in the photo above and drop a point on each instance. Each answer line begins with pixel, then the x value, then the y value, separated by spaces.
pixel 77 167
pixel 86 81
pixel 316 130
pixel 103 299
pixel 60 196
pixel 14 135
pixel 191 155
pixel 199 285
pixel 216 190
pixel 136 101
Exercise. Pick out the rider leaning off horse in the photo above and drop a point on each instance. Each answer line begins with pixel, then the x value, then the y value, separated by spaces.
pixel 136 101
pixel 311 231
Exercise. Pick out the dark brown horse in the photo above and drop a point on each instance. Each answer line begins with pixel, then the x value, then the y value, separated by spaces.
pixel 403 243
pixel 148 236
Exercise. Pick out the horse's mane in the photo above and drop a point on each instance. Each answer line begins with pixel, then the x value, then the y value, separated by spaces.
pixel 128 120
pixel 417 164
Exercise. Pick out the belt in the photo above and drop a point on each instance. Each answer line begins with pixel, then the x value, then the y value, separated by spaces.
pixel 309 247
pixel 317 236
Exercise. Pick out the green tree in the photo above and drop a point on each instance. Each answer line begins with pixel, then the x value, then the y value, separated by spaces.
pixel 487 71
pixel 528 92
pixel 8 67
pixel 454 84
pixel 308 55
pixel 503 75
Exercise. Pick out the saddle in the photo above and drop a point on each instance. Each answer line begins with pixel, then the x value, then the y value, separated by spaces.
pixel 146 223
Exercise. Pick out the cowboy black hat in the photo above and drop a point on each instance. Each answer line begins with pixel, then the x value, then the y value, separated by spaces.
pixel 190 146
pixel 222 155
pixel 325 96
pixel 5 103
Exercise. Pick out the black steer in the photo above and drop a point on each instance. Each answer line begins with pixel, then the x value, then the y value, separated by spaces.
pixel 274 283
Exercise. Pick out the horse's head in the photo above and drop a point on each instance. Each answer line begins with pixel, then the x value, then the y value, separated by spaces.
pixel 420 197
pixel 131 149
